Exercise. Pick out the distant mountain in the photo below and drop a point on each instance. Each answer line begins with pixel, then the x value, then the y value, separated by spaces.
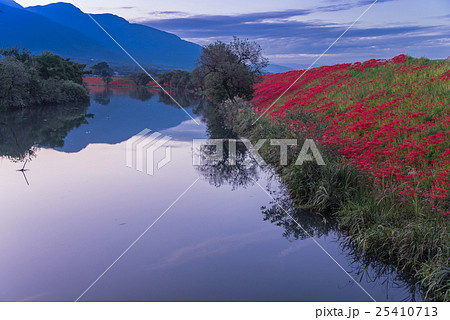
pixel 275 68
pixel 114 124
pixel 10 3
pixel 64 29
pixel 37 33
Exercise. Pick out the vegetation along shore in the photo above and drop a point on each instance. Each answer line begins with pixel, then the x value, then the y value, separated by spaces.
pixel 383 128
pixel 28 80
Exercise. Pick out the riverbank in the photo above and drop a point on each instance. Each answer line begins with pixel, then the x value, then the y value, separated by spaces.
pixel 116 82
pixel 383 130
pixel 124 82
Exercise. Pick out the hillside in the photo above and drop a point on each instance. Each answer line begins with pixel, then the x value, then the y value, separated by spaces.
pixel 37 33
pixel 64 29
pixel 388 118
pixel 383 129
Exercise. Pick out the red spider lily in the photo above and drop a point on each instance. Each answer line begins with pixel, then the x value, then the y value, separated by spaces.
pixel 388 118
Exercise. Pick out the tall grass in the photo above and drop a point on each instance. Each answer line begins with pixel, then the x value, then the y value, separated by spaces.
pixel 400 233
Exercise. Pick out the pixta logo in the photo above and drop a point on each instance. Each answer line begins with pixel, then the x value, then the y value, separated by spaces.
pixel 308 152
pixel 141 149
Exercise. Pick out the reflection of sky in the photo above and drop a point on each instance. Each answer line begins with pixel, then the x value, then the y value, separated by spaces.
pixel 83 209
pixel 124 117
pixel 294 32
pixel 187 130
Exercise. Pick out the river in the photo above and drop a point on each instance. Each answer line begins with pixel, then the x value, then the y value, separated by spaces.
pixel 79 224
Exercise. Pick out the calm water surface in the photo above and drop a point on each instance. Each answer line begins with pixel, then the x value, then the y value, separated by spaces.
pixel 79 207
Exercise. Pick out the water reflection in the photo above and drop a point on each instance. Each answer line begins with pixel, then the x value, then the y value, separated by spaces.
pixel 207 248
pixel 376 271
pixel 23 132
pixel 363 268
pixel 101 95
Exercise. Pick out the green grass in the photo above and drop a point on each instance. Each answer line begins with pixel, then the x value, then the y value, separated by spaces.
pixel 400 234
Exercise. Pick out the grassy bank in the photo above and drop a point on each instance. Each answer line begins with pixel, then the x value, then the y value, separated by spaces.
pixel 383 130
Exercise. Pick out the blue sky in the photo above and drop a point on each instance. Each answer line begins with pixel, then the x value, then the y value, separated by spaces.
pixel 295 32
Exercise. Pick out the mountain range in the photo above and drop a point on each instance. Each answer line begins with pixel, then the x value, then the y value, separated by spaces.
pixel 64 29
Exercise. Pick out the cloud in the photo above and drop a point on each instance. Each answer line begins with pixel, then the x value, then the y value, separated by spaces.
pixel 210 247
pixel 349 5
pixel 292 36
pixel 264 25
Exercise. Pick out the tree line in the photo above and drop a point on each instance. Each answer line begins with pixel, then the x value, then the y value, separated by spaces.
pixel 224 71
pixel 31 80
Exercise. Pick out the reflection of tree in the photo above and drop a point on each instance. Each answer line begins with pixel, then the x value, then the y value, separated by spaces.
pixel 312 224
pixel 103 97
pixel 186 100
pixel 239 174
pixel 142 94
pixel 214 121
pixel 370 269
pixel 362 267
pixel 23 131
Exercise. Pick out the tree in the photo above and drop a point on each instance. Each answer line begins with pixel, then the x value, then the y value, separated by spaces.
pixel 20 54
pixel 230 70
pixel 103 70
pixel 177 79
pixel 27 80
pixel 15 80
pixel 140 78
pixel 52 66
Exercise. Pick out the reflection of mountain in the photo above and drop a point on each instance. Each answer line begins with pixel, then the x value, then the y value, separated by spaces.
pixel 114 116
pixel 66 30
pixel 121 114
pixel 22 130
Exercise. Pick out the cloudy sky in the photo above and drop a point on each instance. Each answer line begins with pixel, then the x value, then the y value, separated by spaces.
pixel 296 32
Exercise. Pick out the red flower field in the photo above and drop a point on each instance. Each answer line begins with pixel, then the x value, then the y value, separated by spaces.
pixel 388 118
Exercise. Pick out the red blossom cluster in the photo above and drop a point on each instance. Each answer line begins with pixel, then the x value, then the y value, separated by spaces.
pixel 388 118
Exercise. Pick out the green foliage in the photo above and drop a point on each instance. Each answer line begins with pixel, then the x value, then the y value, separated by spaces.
pixel 103 70
pixel 230 70
pixel 21 54
pixel 52 66
pixel 383 227
pixel 27 80
pixel 15 83
pixel 61 92
pixel 140 78
pixel 176 79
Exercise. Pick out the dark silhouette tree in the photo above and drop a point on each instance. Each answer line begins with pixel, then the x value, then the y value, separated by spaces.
pixel 27 80
pixel 52 66
pixel 140 78
pixel 230 70
pixel 20 54
pixel 103 70
pixel 176 79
